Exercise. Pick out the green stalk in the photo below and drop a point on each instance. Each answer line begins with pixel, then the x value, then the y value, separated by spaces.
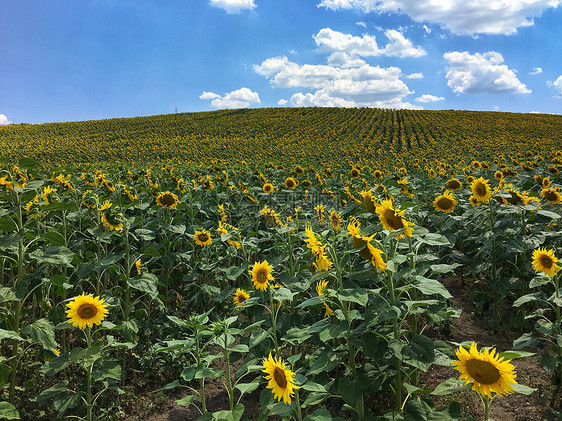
pixel 298 404
pixel 228 379
pixel 273 323
pixel 89 404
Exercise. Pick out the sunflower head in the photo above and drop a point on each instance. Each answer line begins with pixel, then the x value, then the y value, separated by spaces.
pixel 454 184
pixel 86 311
pixel 267 188
pixel 291 183
pixel 544 261
pixel 481 190
pixel 552 195
pixel 321 287
pixel 262 273
pixel 487 371
pixel 280 379
pixel 498 175
pixel 240 296
pixel 202 238
pixel 355 172
pixel 392 219
pixel 335 220
pixel 445 203
pixel 167 199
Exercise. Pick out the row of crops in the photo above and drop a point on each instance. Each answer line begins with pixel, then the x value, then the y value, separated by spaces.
pixel 308 291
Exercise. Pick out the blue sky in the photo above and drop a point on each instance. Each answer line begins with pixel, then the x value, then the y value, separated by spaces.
pixel 63 60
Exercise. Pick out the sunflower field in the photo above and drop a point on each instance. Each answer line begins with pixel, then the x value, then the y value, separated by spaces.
pixel 277 263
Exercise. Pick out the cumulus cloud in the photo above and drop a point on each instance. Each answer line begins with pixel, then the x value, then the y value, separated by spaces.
pixel 282 102
pixel 429 98
pixel 557 84
pixel 233 6
pixel 481 74
pixel 415 76
pixel 240 98
pixel 338 86
pixel 459 16
pixel 341 59
pixel 4 120
pixel 536 71
pixel 331 41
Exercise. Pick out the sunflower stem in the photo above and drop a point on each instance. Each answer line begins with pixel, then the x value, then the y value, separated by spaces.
pixel 273 323
pixel 227 368
pixel 486 401
pixel 298 405
pixel 89 405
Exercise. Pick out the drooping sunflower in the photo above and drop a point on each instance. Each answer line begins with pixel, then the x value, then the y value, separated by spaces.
pixel 392 219
pixel 267 188
pixel 90 199
pixel 320 289
pixel 446 202
pixel 454 184
pixel 262 273
pixel 545 261
pixel 488 372
pixel 203 238
pixel 240 296
pixel 335 220
pixel 369 201
pixel 280 379
pixel 112 219
pixel 86 311
pixel 481 189
pixel 167 199
pixel 291 183
pixel 552 195
pixel 138 265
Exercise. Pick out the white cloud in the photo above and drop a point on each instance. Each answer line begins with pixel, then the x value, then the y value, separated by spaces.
pixel 481 74
pixel 345 60
pixel 536 71
pixel 429 98
pixel 534 112
pixel 415 76
pixel 282 102
pixel 331 41
pixel 557 84
pixel 233 6
pixel 363 24
pixel 4 120
pixel 240 98
pixel 427 30
pixel 459 16
pixel 363 86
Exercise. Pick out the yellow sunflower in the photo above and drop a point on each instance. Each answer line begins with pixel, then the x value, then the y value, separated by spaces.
pixel 392 219
pixel 335 220
pixel 473 201
pixel 261 273
pixel 498 175
pixel 552 195
pixel 481 189
pixel 454 184
pixel 267 188
pixel 446 202
pixel 291 183
pixel 240 296
pixel 544 261
pixel 488 372
pixel 86 311
pixel 203 238
pixel 167 199
pixel 280 379
pixel 369 201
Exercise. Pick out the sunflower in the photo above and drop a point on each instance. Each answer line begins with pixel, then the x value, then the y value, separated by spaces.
pixel 446 202
pixel 546 182
pixel 280 379
pixel 469 179
pixel 544 261
pixel 392 219
pixel 552 195
pixel 90 199
pixel 454 184
pixel 473 201
pixel 261 274
pixel 203 238
pixel 487 371
pixel 167 199
pixel 335 220
pixel 291 183
pixel 306 183
pixel 322 261
pixel 240 296
pixel 138 265
pixel 369 201
pixel 86 311
pixel 378 174
pixel 498 175
pixel 267 188
pixel 355 172
pixel 112 219
pixel 481 190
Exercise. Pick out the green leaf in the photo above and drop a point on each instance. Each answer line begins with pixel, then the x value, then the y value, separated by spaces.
pixel 509 355
pixel 283 294
pixel 525 340
pixel 451 386
pixel 147 283
pixel 46 395
pixel 248 387
pixel 522 389
pixel 312 302
pixel 444 268
pixel 321 414
pixel 42 333
pixel 314 387
pixel 188 400
pixel 548 214
pixel 431 286
pixel 357 295
pixel 191 373
pixel 55 238
pixel 233 415
pixel 10 334
pixel 7 225
pixel 8 411
pixel 55 255
pixel 528 298
pixel 109 370
pixel 28 164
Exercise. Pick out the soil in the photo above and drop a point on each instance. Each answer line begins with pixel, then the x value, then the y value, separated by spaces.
pixel 472 325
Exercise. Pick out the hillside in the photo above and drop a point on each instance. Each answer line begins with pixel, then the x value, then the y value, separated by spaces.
pixel 326 136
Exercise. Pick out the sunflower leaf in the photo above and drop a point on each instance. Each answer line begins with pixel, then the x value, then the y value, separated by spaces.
pixel 451 386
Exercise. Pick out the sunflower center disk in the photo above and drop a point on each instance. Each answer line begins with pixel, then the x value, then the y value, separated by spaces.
pixel 482 372
pixel 480 190
pixel 546 262
pixel 87 311
pixel 445 203
pixel 168 200
pixel 203 237
pixel 394 221
pixel 280 378
pixel 261 276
